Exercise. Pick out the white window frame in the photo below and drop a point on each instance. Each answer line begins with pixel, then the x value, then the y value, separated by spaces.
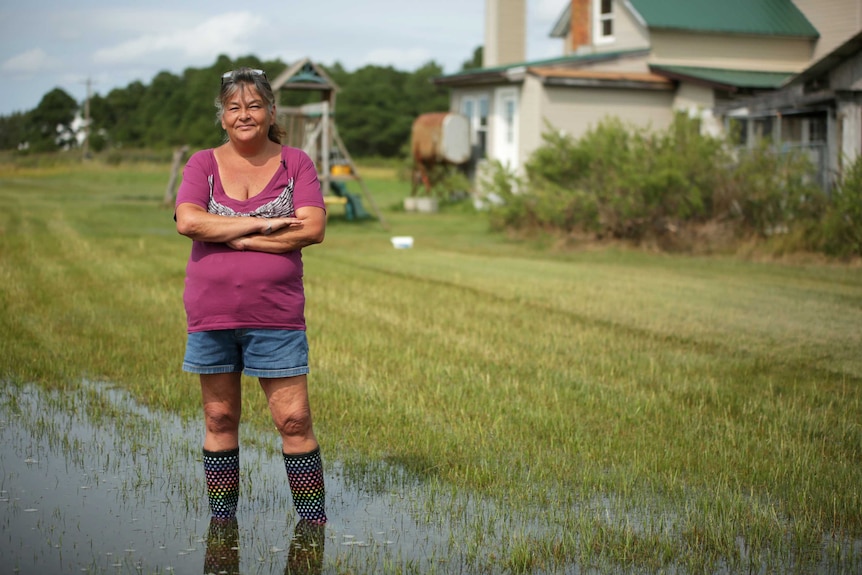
pixel 509 111
pixel 476 108
pixel 599 19
pixel 506 121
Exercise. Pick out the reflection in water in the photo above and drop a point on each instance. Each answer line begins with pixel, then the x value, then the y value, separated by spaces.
pixel 222 554
pixel 305 556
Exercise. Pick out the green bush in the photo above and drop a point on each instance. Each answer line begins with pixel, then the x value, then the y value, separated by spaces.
pixel 559 160
pixel 617 161
pixel 618 180
pixel 770 191
pixel 842 223
pixel 691 166
pixel 512 209
pixel 627 182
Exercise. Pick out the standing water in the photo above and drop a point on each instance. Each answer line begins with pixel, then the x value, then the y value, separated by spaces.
pixel 91 482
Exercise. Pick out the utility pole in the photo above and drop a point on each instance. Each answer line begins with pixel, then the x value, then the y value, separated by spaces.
pixel 86 144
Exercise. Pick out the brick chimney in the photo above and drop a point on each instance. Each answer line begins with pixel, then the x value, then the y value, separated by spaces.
pixel 505 32
pixel 580 23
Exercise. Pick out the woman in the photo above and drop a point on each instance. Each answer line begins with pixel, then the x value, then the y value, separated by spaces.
pixel 250 206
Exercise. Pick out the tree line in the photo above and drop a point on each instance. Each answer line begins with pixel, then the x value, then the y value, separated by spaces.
pixel 375 108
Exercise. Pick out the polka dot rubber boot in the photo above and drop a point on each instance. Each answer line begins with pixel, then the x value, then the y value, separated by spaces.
pixel 222 472
pixel 305 476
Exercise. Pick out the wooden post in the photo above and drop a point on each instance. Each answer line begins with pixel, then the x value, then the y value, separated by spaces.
pixel 86 145
pixel 179 155
pixel 326 169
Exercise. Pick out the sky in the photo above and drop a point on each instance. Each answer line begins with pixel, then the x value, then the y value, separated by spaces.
pixel 45 44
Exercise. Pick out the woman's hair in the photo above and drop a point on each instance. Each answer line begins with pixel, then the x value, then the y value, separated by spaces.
pixel 230 85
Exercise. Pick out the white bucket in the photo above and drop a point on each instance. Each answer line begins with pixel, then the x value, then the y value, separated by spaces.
pixel 402 242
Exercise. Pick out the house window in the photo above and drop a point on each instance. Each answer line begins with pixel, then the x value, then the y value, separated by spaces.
pixel 604 21
pixel 762 129
pixel 475 108
pixel 467 109
pixel 817 129
pixel 793 129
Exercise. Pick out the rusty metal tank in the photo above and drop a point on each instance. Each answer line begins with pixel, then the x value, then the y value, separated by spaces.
pixel 441 137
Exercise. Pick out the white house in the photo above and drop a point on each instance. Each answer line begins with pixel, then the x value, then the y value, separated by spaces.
pixel 641 61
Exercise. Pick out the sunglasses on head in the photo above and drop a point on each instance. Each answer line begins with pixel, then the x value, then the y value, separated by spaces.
pixel 228 76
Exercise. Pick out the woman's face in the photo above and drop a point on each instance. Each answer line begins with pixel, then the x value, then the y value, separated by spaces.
pixel 246 117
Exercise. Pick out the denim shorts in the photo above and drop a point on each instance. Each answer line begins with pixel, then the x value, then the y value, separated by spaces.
pixel 255 352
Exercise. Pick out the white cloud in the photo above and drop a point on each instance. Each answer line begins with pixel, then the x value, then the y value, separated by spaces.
pixel 542 17
pixel 546 12
pixel 34 60
pixel 128 20
pixel 224 34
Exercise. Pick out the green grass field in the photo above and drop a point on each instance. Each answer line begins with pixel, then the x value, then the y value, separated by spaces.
pixel 606 406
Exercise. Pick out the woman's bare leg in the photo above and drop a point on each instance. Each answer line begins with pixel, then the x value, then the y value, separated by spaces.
pixel 291 413
pixel 222 403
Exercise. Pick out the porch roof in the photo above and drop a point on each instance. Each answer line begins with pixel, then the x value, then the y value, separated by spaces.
pixel 850 48
pixel 724 78
pixel 802 93
pixel 586 77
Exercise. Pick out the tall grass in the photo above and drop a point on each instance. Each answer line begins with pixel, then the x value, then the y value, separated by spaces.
pixel 557 408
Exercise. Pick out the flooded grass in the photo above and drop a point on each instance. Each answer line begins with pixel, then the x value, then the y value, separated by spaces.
pixel 484 406
pixel 92 482
pixel 84 491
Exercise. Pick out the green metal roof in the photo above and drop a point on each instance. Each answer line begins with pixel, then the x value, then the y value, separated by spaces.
pixel 307 73
pixel 761 17
pixel 725 77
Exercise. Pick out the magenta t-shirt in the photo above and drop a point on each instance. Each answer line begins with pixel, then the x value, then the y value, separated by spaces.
pixel 230 289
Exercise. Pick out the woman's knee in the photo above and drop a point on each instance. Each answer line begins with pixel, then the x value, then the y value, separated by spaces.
pixel 293 423
pixel 220 420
